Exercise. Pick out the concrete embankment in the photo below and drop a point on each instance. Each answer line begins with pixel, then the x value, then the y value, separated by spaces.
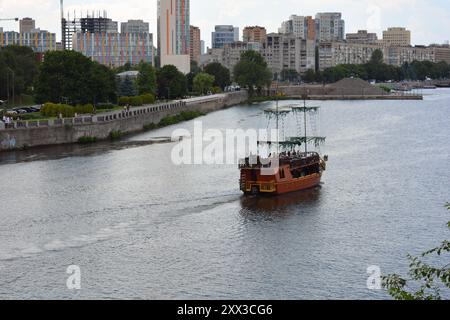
pixel 70 130
pixel 346 89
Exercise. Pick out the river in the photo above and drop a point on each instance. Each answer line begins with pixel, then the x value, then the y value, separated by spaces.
pixel 140 227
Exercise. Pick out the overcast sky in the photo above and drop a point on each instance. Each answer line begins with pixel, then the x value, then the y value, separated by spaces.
pixel 429 20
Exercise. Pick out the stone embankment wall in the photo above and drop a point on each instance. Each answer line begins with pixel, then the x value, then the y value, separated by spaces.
pixel 70 130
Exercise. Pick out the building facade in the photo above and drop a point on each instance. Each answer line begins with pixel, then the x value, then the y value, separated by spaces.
pixel 174 34
pixel 40 41
pixel 224 34
pixel 303 27
pixel 26 25
pixel 287 51
pixel 115 49
pixel 397 37
pixel 254 34
pixel 134 26
pixel 442 53
pixel 330 26
pixel 398 55
pixel 332 54
pixel 195 45
pixel 362 36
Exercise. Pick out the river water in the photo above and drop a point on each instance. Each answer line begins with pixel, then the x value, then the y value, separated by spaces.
pixel 140 227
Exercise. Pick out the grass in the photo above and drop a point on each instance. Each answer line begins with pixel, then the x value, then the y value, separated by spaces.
pixel 183 116
pixel 87 140
pixel 115 135
pixel 171 120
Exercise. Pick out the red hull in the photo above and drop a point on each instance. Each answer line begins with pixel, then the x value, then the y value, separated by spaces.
pixel 299 184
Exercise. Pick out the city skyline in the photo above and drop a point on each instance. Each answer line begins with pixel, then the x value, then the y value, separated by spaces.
pixel 375 16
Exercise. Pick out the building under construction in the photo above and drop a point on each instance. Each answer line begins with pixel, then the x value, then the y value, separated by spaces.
pixel 96 22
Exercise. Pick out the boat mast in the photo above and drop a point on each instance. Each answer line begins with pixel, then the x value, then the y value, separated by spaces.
pixel 278 123
pixel 304 117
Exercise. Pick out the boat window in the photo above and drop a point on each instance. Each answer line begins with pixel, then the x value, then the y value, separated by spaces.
pixel 282 175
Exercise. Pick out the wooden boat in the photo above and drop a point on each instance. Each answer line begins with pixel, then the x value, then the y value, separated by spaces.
pixel 289 170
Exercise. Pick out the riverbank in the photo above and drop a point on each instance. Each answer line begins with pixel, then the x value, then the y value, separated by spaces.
pixel 346 89
pixel 28 134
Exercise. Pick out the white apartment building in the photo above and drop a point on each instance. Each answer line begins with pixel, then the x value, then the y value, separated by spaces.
pixel 174 34
pixel 287 51
pixel 397 37
pixel 330 26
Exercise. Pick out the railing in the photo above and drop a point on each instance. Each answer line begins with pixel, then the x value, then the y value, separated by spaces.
pixel 100 118
pixel 119 114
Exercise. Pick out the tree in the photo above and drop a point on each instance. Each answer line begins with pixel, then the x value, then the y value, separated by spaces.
pixel 69 75
pixel 310 76
pixel 172 83
pixel 252 72
pixel 146 80
pixel 221 74
pixel 195 70
pixel 290 75
pixel 377 57
pixel 127 87
pixel 203 82
pixel 428 280
pixel 18 70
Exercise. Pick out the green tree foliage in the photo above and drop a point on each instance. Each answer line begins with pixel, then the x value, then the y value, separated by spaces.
pixel 310 76
pixel 290 75
pixel 55 110
pixel 195 70
pixel 252 71
pixel 172 83
pixel 221 74
pixel 146 81
pixel 427 281
pixel 376 69
pixel 20 61
pixel 127 87
pixel 203 82
pixel 72 76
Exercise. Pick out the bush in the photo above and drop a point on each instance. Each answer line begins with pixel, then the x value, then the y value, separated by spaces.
pixel 84 109
pixel 105 106
pixel 87 139
pixel 115 135
pixel 148 98
pixel 54 110
pixel 183 116
pixel 136 101
pixel 216 90
pixel 123 101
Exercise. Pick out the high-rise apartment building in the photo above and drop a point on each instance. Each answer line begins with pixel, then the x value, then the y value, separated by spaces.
pixel 134 26
pixel 115 49
pixel 174 33
pixel 40 41
pixel 330 26
pixel 196 45
pixel 362 36
pixel 26 25
pixel 303 27
pixel 288 51
pixel 397 37
pixel 224 34
pixel 254 34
